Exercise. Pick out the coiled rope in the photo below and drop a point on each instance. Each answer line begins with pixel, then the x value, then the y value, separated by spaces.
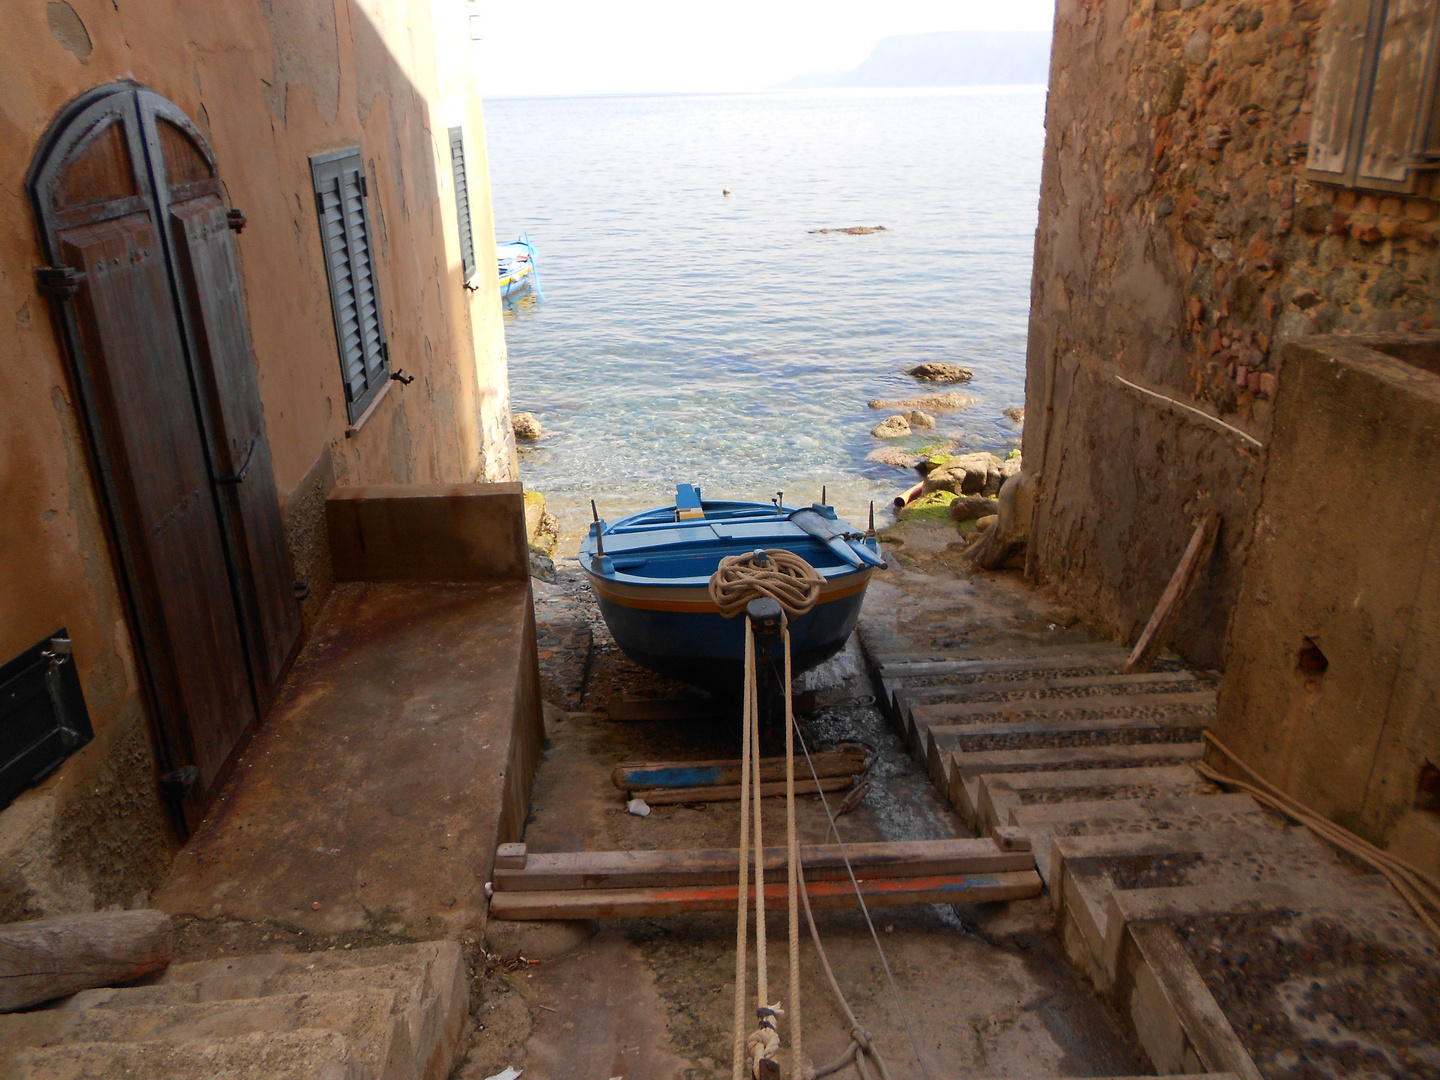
pixel 781 575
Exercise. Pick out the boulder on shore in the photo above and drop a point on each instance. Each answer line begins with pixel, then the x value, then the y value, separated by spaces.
pixel 935 371
pixel 526 426
pixel 920 419
pixel 894 427
pixel 971 507
pixel 934 402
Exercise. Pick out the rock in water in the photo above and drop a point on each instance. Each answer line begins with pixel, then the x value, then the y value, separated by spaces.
pixel 920 419
pixel 526 426
pixel 971 507
pixel 896 457
pixel 934 371
pixel 933 402
pixel 893 427
pixel 1014 415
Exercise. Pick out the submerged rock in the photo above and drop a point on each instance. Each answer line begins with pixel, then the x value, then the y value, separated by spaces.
pixel 935 371
pixel 897 457
pixel 920 419
pixel 894 427
pixel 850 230
pixel 526 426
pixel 1015 415
pixel 933 402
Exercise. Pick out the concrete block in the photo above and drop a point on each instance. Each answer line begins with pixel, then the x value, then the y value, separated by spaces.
pixel 1001 794
pixel 428 532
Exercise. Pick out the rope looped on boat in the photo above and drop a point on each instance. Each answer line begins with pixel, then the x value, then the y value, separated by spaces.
pixel 779 574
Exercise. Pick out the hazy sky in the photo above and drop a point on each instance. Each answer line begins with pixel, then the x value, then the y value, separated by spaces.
pixel 650 46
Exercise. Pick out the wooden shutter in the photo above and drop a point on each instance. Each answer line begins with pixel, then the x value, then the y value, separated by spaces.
pixel 1339 105
pixel 206 255
pixel 340 200
pixel 462 201
pixel 1405 55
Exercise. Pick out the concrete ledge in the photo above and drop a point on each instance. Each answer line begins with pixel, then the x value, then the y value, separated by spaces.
pixel 428 532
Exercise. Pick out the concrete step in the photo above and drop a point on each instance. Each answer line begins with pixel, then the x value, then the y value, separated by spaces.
pixel 1001 794
pixel 401 1010
pixel 962 772
pixel 1108 704
pixel 292 1055
pixel 1079 686
pixel 1023 651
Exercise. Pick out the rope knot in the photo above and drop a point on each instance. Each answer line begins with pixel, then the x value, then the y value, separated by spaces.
pixel 779 574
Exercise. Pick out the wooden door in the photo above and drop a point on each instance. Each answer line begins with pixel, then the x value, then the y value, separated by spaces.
pixel 157 355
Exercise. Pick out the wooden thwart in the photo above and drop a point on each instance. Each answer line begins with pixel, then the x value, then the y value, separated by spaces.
pixel 620 884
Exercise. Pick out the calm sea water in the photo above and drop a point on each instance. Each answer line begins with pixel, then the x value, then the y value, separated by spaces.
pixel 689 336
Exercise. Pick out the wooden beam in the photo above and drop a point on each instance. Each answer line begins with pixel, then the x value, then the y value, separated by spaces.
pixel 878 892
pixel 731 792
pixel 595 870
pixel 1161 626
pixel 49 958
pixel 642 776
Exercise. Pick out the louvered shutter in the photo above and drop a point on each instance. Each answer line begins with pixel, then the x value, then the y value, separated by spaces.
pixel 1338 95
pixel 462 202
pixel 1405 56
pixel 340 201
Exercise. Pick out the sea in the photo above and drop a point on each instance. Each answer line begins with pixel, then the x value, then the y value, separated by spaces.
pixel 695 323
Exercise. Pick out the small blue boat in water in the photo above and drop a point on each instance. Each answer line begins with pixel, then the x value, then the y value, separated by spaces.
pixel 517 268
pixel 651 574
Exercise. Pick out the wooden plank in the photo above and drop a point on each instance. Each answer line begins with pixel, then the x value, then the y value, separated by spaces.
pixel 731 792
pixel 1161 626
pixel 1074 757
pixel 942 712
pixel 48 958
pixel 684 708
pixel 954 736
pixel 992 653
pixel 720 866
pixel 964 691
pixel 650 903
pixel 1062 661
pixel 642 776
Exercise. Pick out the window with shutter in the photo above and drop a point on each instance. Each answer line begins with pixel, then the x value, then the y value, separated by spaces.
pixel 341 201
pixel 1374 122
pixel 462 202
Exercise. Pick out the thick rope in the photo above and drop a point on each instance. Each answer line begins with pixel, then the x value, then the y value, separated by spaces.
pixel 1419 889
pixel 779 574
pixel 792 837
pixel 741 975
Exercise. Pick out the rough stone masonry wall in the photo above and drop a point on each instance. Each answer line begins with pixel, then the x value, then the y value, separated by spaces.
pixel 1178 244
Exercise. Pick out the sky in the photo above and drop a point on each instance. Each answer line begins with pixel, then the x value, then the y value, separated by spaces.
pixel 542 47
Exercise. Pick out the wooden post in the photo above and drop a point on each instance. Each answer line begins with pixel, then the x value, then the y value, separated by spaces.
pixel 49 958
pixel 1161 626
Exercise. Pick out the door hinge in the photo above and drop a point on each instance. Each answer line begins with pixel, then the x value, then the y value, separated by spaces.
pixel 235 219
pixel 59 280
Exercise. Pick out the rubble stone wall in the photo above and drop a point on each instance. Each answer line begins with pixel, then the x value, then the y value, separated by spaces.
pixel 1179 243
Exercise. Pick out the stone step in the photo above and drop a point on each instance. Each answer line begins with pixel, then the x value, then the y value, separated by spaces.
pixel 1200 701
pixel 1047 822
pixel 1021 651
pixel 962 772
pixel 1077 686
pixel 371 1022
pixel 428 980
pixel 292 1055
pixel 1069 734
pixel 1001 794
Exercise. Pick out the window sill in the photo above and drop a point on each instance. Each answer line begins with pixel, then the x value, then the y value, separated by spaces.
pixel 354 429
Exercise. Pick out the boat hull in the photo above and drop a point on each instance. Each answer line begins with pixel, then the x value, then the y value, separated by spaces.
pixel 679 631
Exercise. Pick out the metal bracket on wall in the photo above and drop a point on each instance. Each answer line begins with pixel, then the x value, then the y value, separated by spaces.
pixel 235 219
pixel 58 280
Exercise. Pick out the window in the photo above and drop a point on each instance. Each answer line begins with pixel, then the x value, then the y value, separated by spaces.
pixel 1374 123
pixel 462 202
pixel 341 201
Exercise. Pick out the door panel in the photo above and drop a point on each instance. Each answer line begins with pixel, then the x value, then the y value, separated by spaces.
pixel 211 279
pixel 146 414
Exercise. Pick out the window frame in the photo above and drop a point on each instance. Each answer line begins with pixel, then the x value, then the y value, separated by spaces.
pixel 327 170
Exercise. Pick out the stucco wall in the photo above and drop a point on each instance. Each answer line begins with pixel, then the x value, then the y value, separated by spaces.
pixel 270 83
pixel 1178 244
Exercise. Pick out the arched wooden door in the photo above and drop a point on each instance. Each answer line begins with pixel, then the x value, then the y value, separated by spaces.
pixel 148 298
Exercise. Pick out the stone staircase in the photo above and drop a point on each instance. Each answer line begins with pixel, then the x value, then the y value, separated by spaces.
pixel 390 1013
pixel 1166 887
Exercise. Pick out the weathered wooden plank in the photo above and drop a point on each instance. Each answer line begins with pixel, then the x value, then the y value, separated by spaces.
pixel 720 866
pixel 48 958
pixel 642 776
pixel 971 690
pixel 1161 626
pixel 1061 661
pixel 978 763
pixel 878 892
pixel 939 713
pixel 955 736
pixel 731 792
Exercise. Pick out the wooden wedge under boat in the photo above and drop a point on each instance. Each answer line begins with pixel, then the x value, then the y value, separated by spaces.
pixel 651 573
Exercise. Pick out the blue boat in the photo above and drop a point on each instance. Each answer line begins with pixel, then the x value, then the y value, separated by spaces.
pixel 651 573
pixel 517 268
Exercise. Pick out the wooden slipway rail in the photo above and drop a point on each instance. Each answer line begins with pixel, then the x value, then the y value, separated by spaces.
pixel 626 884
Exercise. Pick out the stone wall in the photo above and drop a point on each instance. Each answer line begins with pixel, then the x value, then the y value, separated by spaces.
pixel 1179 243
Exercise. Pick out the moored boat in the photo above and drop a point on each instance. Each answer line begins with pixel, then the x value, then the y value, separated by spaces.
pixel 517 267
pixel 651 573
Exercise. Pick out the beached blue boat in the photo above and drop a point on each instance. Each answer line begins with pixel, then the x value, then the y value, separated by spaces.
pixel 517 268
pixel 651 573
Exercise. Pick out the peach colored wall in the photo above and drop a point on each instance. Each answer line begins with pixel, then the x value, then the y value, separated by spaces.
pixel 270 82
